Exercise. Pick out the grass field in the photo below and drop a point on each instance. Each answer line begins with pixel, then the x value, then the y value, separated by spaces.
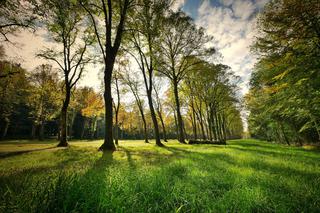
pixel 243 176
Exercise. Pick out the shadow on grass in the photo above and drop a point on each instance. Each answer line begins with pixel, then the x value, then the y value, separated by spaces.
pixel 10 154
pixel 166 179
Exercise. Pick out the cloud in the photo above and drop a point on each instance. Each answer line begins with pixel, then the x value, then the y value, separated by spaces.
pixel 243 9
pixel 177 4
pixel 233 26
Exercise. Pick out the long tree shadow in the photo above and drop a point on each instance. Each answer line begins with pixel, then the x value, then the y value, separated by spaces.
pixel 10 154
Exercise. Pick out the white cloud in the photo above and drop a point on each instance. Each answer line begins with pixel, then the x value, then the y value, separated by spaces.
pixel 243 9
pixel 233 27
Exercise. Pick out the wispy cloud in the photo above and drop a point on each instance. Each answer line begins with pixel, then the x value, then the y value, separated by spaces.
pixel 232 24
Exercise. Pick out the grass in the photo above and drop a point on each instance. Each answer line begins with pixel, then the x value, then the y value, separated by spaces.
pixel 244 176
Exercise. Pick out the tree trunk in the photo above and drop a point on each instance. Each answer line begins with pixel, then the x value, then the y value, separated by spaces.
pixel 116 132
pixel 163 127
pixel 63 124
pixel 5 128
pixel 41 131
pixel 108 139
pixel 154 118
pixel 194 122
pixel 33 130
pixel 179 117
pixel 144 127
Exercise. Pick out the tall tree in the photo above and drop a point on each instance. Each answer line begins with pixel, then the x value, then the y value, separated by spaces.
pixel 64 23
pixel 108 19
pixel 146 25
pixel 181 42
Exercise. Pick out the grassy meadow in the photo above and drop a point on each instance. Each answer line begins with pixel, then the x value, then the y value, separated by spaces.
pixel 243 176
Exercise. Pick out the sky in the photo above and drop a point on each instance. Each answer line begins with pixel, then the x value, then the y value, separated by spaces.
pixel 230 22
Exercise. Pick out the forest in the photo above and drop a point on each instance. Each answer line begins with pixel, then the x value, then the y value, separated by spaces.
pixel 166 127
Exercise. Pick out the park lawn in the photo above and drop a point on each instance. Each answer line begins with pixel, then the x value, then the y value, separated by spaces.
pixel 243 176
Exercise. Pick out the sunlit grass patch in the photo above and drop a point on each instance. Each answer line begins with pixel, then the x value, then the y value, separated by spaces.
pixel 244 176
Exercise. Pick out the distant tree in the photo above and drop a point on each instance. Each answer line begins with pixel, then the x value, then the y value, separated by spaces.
pixel 44 99
pixel 64 23
pixel 130 79
pixel 181 42
pixel 93 109
pixel 13 92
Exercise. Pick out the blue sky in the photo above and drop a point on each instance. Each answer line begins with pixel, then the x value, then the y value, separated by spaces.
pixel 232 23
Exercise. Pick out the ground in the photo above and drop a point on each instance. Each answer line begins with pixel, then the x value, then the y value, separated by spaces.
pixel 243 176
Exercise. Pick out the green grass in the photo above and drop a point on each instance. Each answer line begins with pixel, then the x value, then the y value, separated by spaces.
pixel 244 176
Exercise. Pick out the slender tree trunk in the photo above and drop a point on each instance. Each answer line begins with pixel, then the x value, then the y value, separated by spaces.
pixel 195 137
pixel 154 118
pixel 33 130
pixel 179 117
pixel 108 139
pixel 217 125
pixel 116 131
pixel 41 131
pixel 144 127
pixel 213 124
pixel 175 123
pixel 5 128
pixel 163 127
pixel 63 125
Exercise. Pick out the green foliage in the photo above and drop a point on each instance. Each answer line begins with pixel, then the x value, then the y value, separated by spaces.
pixel 244 176
pixel 284 96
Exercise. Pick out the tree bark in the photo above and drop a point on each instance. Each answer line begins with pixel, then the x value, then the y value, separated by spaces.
pixel 64 113
pixel 179 117
pixel 108 139
pixel 163 127
pixel 154 118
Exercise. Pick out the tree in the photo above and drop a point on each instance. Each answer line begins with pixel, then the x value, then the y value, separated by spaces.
pixel 159 108
pixel 93 109
pixel 13 92
pixel 64 23
pixel 146 25
pixel 44 98
pixel 16 15
pixel 108 19
pixel 134 86
pixel 181 42
pixel 286 77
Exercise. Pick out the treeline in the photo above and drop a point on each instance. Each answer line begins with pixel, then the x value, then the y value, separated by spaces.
pixel 284 101
pixel 157 56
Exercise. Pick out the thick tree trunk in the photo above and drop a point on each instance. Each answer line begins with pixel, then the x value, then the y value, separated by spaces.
pixel 63 125
pixel 108 139
pixel 179 117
